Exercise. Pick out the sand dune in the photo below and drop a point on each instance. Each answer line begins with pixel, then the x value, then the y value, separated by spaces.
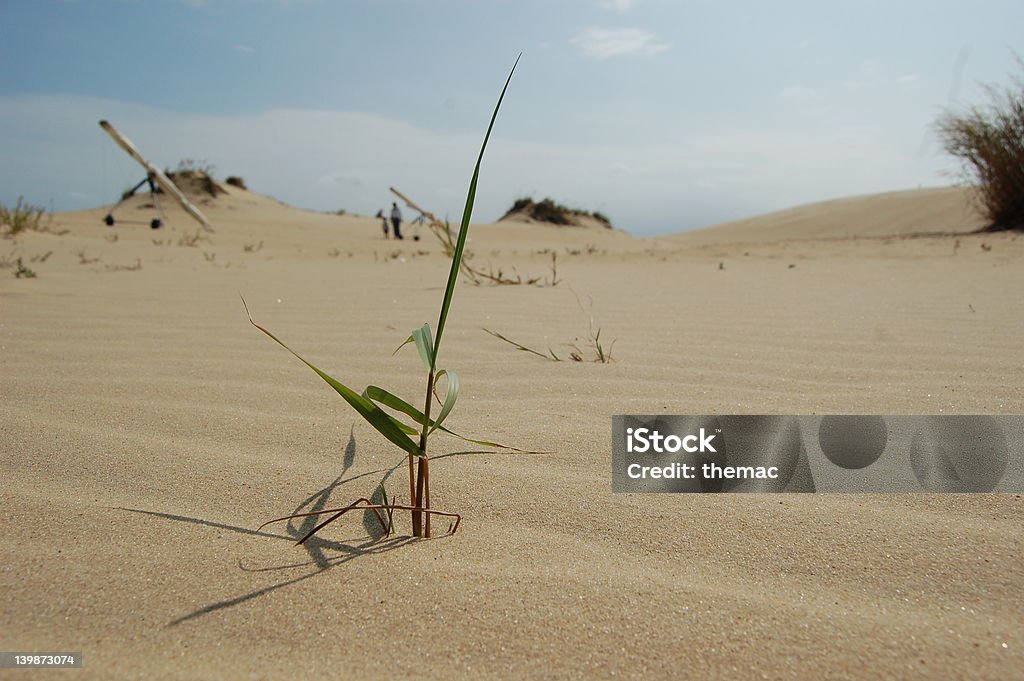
pixel 147 430
pixel 945 210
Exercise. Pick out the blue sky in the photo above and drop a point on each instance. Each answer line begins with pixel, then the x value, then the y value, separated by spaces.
pixel 665 115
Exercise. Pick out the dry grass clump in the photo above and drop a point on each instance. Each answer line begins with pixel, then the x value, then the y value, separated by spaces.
pixel 989 141
pixel 23 271
pixel 602 352
pixel 547 210
pixel 194 177
pixel 236 181
pixel 21 217
pixel 476 275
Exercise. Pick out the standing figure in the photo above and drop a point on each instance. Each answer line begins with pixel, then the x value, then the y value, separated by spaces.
pixel 396 220
pixel 383 222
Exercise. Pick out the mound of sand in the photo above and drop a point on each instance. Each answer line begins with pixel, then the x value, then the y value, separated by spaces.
pixel 548 212
pixel 946 210
pixel 196 183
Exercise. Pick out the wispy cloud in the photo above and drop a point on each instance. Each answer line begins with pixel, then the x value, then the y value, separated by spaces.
pixel 799 92
pixel 602 43
pixel 619 5
pixel 244 49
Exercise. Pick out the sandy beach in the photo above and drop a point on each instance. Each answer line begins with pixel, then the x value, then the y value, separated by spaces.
pixel 147 430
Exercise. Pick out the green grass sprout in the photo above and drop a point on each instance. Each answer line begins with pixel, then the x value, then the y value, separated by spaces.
pixel 411 433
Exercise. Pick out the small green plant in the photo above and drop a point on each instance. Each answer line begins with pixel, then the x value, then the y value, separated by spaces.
pixel 990 144
pixel 412 438
pixel 22 217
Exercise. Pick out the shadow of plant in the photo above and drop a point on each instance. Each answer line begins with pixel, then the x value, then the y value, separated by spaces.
pixel 323 554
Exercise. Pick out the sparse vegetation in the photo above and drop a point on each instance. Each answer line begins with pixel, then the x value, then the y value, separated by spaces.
pixel 194 177
pixel 547 210
pixel 137 265
pixel 602 354
pixel 23 271
pixel 989 141
pixel 84 259
pixel 412 438
pixel 479 276
pixel 192 239
pixel 20 218
pixel 476 275
pixel 236 181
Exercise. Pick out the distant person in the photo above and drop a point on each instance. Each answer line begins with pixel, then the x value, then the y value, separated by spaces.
pixel 383 222
pixel 396 220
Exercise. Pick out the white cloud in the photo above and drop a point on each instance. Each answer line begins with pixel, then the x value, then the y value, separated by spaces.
pixel 601 43
pixel 619 5
pixel 244 49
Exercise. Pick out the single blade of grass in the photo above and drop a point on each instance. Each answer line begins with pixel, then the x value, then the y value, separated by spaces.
pixel 381 421
pixel 460 245
pixel 553 357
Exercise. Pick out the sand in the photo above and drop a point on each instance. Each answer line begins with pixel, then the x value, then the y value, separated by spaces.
pixel 147 430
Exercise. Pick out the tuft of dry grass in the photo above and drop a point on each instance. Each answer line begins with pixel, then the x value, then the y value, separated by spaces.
pixel 551 212
pixel 23 271
pixel 20 218
pixel 989 141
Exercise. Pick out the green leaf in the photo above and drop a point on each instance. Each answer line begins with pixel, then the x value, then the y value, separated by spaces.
pixel 424 344
pixel 388 399
pixel 460 245
pixel 382 396
pixel 381 421
pixel 450 397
